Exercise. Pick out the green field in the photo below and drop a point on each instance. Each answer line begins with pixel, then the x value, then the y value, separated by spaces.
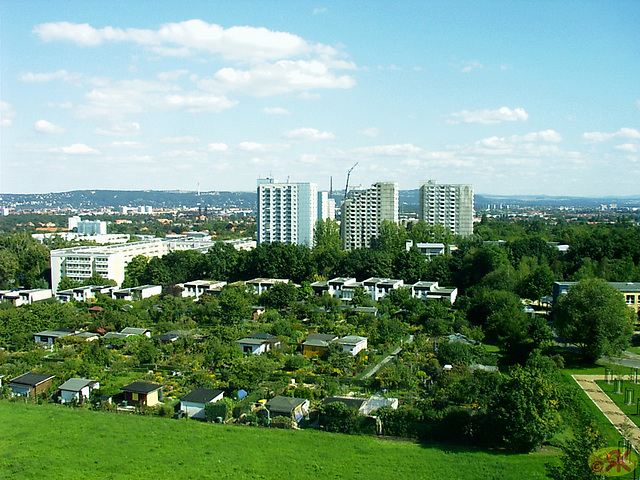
pixel 51 441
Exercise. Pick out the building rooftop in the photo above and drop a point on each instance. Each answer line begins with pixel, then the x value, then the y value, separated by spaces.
pixel 201 395
pixel 76 384
pixel 54 333
pixel 31 379
pixel 352 402
pixel 134 331
pixel 284 404
pixel 352 339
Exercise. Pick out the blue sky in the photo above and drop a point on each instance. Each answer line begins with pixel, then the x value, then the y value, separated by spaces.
pixel 513 97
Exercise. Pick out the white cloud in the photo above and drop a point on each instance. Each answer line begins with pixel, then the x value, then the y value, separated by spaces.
pixel 309 96
pixel 308 134
pixel 119 130
pixel 504 114
pixel 628 147
pixel 7 114
pixel 195 102
pixel 309 159
pixel 624 132
pixel 48 77
pixel 63 105
pixel 471 65
pixel 173 75
pixel 262 147
pixel 126 144
pixel 275 111
pixel 369 132
pixel 185 139
pixel 316 11
pixel 533 137
pixel 284 76
pixel 522 145
pixel 185 154
pixel 48 127
pixel 78 149
pixel 172 52
pixel 544 136
pixel 389 150
pixel 217 147
pixel 136 96
pixel 235 43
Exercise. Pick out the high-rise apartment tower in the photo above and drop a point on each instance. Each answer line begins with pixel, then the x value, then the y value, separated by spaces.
pixel 448 205
pixel 287 212
pixel 363 211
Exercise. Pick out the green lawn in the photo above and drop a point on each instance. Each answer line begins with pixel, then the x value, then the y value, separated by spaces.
pixel 51 441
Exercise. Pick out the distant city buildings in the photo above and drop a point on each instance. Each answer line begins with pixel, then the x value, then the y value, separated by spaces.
pixel 326 207
pixel 363 211
pixel 287 212
pixel 140 210
pixel 87 227
pixel 448 205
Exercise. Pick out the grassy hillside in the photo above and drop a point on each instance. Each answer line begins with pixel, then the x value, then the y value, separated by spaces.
pixel 50 441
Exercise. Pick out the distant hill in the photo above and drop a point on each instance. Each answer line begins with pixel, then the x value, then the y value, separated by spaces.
pixel 176 199
pixel 482 201
pixel 115 198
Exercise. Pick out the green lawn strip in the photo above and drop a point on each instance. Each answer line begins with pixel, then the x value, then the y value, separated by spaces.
pixel 51 441
pixel 603 423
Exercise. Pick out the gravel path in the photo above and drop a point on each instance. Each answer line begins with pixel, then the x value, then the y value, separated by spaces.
pixel 616 416
pixel 386 359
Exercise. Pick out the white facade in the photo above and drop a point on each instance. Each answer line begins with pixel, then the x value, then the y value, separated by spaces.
pixel 287 212
pixel 72 222
pixel 255 346
pixel 379 288
pixel 363 211
pixel 137 293
pixel 80 263
pixel 109 261
pixel 24 297
pixel 261 285
pixel 195 409
pixel 77 389
pixel 326 207
pixel 448 205
pixel 71 236
pixel 353 344
pixel 432 291
pixel 429 250
pixel 197 288
pixel 92 227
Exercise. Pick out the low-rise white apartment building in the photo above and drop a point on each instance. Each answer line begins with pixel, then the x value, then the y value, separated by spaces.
pixel 109 261
pixel 24 297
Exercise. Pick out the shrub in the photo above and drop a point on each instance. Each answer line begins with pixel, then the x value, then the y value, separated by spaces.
pixel 213 411
pixel 280 421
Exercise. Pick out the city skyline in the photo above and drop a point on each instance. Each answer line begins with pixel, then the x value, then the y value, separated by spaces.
pixel 515 98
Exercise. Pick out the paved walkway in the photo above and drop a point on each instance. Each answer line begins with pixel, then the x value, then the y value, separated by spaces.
pixel 607 406
pixel 386 359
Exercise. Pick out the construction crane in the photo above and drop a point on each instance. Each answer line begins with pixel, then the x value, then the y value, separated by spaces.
pixel 346 188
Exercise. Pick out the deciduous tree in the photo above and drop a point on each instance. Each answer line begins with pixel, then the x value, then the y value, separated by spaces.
pixel 594 316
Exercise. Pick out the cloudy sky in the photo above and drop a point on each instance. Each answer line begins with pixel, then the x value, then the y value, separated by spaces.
pixel 539 97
